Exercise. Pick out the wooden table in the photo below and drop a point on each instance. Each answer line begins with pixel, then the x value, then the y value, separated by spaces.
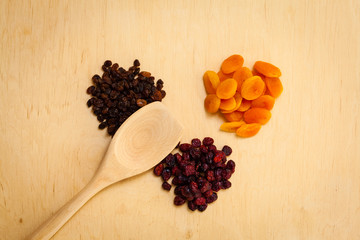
pixel 297 179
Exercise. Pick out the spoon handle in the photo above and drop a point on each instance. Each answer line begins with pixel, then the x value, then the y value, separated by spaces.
pixel 55 222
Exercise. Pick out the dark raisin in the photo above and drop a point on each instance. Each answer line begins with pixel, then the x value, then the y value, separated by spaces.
pixel 136 63
pixel 90 90
pixel 102 125
pixel 107 63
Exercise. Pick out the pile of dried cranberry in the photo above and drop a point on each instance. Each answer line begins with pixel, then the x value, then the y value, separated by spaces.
pixel 199 172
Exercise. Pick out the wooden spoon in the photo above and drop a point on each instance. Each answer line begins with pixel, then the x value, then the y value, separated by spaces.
pixel 141 142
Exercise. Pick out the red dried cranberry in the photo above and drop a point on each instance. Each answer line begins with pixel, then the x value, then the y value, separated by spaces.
pixel 203 149
pixel 212 148
pixel 204 167
pixel 185 147
pixel 177 190
pixel 226 184
pixel 216 186
pixel 196 142
pixel 186 156
pixel 219 156
pixel 178 157
pixel 217 174
pixel 193 186
pixel 210 176
pixel 202 208
pixel 227 150
pixel 205 186
pixel 166 174
pixel 226 174
pixel 179 201
pixel 220 164
pixel 200 201
pixel 166 186
pixel 208 193
pixel 212 198
pixel 176 171
pixel 195 153
pixel 231 166
pixel 192 206
pixel 208 141
pixel 158 169
pixel 170 160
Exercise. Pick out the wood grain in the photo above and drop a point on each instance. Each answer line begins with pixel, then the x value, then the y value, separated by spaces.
pixel 297 179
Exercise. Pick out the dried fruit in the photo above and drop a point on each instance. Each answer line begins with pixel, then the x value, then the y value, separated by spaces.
pixel 232 63
pixel 223 76
pixel 257 115
pixel 245 105
pixel 264 101
pixel 274 86
pixel 241 75
pixel 227 104
pixel 226 89
pixel 252 88
pixel 212 103
pixel 231 126
pixel 211 81
pixel 248 130
pixel 233 116
pixel 267 69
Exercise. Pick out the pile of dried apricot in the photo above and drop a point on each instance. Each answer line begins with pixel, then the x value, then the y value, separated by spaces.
pixel 244 97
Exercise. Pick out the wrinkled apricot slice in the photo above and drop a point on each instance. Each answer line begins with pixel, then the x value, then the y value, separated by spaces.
pixel 223 76
pixel 264 101
pixel 234 116
pixel 211 81
pixel 226 88
pixel 267 69
pixel 245 105
pixel 232 63
pixel 274 86
pixel 252 88
pixel 227 104
pixel 241 75
pixel 257 115
pixel 212 103
pixel 248 130
pixel 231 126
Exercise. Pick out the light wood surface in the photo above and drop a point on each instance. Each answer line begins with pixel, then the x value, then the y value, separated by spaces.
pixel 298 178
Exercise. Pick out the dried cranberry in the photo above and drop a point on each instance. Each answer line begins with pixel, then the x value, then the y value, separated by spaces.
pixel 185 147
pixel 205 186
pixel 208 193
pixel 170 160
pixel 166 174
pixel 177 190
pixel 226 184
pixel 212 148
pixel 186 156
pixel 220 164
pixel 204 167
pixel 231 166
pixel 203 149
pixel 176 171
pixel 210 176
pixel 219 156
pixel 227 150
pixel 217 174
pixel 212 198
pixel 179 201
pixel 192 206
pixel 195 153
pixel 202 208
pixel 178 157
pixel 216 186
pixel 200 201
pixel 166 186
pixel 196 142
pixel 158 169
pixel 208 141
pixel 193 186
pixel 185 191
pixel 226 174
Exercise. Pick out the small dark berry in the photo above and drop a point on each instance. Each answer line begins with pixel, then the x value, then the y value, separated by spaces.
pixel 192 206
pixel 158 169
pixel 196 142
pixel 179 201
pixel 185 147
pixel 166 174
pixel 202 208
pixel 166 186
pixel 208 141
pixel 227 150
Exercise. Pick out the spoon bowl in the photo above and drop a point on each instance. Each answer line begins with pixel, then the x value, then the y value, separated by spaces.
pixel 142 141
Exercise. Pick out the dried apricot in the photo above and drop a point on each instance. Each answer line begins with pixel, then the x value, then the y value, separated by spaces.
pixel 245 105
pixel 227 104
pixel 222 76
pixel 226 88
pixel 211 81
pixel 241 75
pixel 212 103
pixel 231 126
pixel 257 115
pixel 252 88
pixel 248 130
pixel 232 63
pixel 274 86
pixel 267 69
pixel 264 101
pixel 234 116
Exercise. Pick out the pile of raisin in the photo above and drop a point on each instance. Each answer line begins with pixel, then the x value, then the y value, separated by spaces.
pixel 200 171
pixel 118 93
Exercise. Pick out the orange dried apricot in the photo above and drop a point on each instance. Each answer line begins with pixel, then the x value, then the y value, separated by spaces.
pixel 232 63
pixel 252 88
pixel 248 130
pixel 211 81
pixel 212 103
pixel 241 75
pixel 223 76
pixel 227 104
pixel 257 115
pixel 264 101
pixel 267 69
pixel 231 126
pixel 274 86
pixel 226 88
pixel 245 105
pixel 234 116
